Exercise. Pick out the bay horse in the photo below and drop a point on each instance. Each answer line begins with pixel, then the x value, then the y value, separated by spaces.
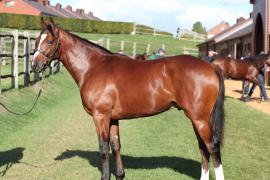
pixel 247 69
pixel 114 88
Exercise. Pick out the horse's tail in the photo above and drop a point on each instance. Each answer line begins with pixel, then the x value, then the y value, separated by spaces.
pixel 218 116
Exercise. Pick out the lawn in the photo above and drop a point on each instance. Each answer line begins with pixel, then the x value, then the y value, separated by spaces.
pixel 58 140
pixel 172 46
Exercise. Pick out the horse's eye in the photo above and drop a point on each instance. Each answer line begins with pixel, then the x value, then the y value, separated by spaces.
pixel 50 43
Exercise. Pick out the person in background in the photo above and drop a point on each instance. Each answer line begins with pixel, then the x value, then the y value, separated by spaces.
pixel 141 57
pixel 161 53
pixel 210 56
pixel 152 56
pixel 260 78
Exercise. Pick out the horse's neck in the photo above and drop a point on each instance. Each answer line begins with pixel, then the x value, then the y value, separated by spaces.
pixel 78 57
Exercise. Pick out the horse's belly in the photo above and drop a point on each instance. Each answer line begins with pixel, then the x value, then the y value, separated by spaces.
pixel 141 107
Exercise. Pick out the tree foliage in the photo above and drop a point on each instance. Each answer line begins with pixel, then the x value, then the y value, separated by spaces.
pixel 198 27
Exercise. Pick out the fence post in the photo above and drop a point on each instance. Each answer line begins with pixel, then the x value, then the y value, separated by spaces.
pixel 51 68
pixel 134 49
pixel 108 44
pixel 122 45
pixel 15 60
pixel 1 63
pixel 148 49
pixel 134 29
pixel 163 46
pixel 57 68
pixel 155 32
pixel 3 51
pixel 27 47
pixel 36 75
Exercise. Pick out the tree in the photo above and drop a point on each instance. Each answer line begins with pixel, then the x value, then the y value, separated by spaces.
pixel 198 27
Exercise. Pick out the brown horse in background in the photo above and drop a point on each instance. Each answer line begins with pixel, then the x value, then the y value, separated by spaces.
pixel 141 57
pixel 114 88
pixel 247 69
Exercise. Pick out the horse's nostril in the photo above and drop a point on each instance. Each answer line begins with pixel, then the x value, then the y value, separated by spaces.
pixel 36 67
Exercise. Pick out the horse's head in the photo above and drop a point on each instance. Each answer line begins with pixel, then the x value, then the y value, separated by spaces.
pixel 47 46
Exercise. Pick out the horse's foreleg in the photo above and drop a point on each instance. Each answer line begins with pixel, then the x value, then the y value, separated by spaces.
pixel 102 123
pixel 116 146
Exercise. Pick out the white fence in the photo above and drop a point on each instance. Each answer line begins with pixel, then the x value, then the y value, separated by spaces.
pixel 16 50
pixel 146 30
pixel 190 51
pixel 190 35
pixel 132 48
pixel 129 48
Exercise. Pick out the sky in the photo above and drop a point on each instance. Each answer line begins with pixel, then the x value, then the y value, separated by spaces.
pixel 165 14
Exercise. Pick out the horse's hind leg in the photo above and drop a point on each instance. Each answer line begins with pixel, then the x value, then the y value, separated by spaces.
pixel 116 146
pixel 205 157
pixel 216 157
pixel 207 146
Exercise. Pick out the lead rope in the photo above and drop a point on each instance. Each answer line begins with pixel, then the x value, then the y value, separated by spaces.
pixel 34 104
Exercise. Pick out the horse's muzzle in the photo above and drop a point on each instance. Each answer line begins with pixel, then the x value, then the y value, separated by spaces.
pixel 38 67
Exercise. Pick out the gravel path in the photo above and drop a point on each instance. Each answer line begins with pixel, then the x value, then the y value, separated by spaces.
pixel 234 88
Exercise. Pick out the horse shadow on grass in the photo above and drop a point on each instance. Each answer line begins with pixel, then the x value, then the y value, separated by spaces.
pixel 188 167
pixel 9 158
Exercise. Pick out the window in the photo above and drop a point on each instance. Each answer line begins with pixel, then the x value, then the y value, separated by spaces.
pixel 9 3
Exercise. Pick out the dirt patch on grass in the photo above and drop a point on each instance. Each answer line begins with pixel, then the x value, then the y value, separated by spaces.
pixel 234 88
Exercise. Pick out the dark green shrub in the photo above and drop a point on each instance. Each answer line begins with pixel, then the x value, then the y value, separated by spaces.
pixel 76 25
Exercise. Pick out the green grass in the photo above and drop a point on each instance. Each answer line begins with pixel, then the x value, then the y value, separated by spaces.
pixel 158 147
pixel 172 46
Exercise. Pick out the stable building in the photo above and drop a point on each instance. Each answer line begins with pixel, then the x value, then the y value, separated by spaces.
pixel 247 36
pixel 234 41
pixel 43 8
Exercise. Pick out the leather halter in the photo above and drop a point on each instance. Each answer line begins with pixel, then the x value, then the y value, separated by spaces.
pixel 46 54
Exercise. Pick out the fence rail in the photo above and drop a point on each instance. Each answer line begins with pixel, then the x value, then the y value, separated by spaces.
pixel 146 30
pixel 16 50
pixel 190 35
pixel 132 48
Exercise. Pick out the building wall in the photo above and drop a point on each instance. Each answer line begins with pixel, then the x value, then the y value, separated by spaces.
pixel 19 7
pixel 261 7
pixel 217 29
pixel 236 48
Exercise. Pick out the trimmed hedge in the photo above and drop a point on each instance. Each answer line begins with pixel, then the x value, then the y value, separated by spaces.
pixel 75 25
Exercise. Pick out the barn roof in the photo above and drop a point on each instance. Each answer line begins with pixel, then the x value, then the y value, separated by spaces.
pixel 238 30
pixel 61 12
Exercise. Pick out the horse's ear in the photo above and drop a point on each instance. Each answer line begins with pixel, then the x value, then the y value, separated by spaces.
pixel 43 24
pixel 52 23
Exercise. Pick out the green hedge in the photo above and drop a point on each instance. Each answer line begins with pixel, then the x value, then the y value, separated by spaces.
pixel 75 25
